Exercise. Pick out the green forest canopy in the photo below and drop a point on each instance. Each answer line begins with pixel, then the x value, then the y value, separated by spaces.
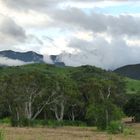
pixel 42 91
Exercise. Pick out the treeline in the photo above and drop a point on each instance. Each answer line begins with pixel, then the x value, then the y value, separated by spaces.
pixel 46 92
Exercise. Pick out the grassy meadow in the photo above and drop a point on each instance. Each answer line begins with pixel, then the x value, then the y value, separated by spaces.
pixel 67 133
pixel 132 86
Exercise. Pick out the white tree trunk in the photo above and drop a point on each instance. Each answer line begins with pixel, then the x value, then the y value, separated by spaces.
pixel 59 114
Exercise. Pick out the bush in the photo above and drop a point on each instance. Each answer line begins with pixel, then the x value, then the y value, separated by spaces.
pixel 14 122
pixel 49 123
pixel 55 123
pixel 129 131
pixel 96 114
pixel 115 127
pixel 5 121
pixel 26 122
pixel 22 122
pixel 132 107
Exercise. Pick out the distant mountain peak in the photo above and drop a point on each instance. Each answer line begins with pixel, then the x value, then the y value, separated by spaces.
pixel 29 56
pixel 132 71
pixel 10 58
pixel 56 59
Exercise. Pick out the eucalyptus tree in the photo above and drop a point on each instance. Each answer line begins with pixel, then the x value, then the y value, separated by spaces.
pixel 101 108
pixel 66 90
pixel 27 93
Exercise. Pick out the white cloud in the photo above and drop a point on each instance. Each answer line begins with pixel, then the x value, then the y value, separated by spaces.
pixel 56 46
pixel 84 35
pixel 103 40
pixel 97 22
pixel 93 4
pixel 101 53
pixel 11 62
pixel 132 41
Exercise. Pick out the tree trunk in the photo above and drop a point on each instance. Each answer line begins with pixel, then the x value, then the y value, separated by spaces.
pixel 107 117
pixel 28 110
pixel 73 116
pixel 59 115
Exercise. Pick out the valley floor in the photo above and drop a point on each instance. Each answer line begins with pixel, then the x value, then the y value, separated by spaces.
pixel 65 133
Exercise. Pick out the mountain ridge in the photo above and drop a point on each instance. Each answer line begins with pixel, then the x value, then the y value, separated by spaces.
pixel 28 56
pixel 131 71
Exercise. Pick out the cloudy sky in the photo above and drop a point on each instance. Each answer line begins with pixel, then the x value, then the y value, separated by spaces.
pixel 104 33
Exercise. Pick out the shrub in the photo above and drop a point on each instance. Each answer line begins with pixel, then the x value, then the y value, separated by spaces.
pixel 129 131
pixel 55 123
pixel 14 122
pixel 115 127
pixel 49 123
pixel 132 107
pixel 5 121
pixel 95 115
pixel 22 122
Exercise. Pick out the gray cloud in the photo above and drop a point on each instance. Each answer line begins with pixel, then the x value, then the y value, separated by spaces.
pixel 76 17
pixel 96 22
pixel 43 5
pixel 40 5
pixel 101 53
pixel 10 28
pixel 10 32
pixel 124 25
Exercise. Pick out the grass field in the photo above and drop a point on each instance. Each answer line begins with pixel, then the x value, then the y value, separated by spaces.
pixel 65 133
pixel 132 86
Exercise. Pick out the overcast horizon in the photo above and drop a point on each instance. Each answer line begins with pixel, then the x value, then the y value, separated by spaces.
pixel 95 32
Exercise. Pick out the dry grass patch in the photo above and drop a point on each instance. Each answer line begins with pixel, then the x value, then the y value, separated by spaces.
pixel 65 133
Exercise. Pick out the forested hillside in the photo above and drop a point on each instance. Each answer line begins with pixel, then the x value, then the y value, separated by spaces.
pixel 131 71
pixel 47 92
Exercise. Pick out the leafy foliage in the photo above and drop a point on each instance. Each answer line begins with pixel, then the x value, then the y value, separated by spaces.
pixel 48 92
pixel 115 127
pixel 132 107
